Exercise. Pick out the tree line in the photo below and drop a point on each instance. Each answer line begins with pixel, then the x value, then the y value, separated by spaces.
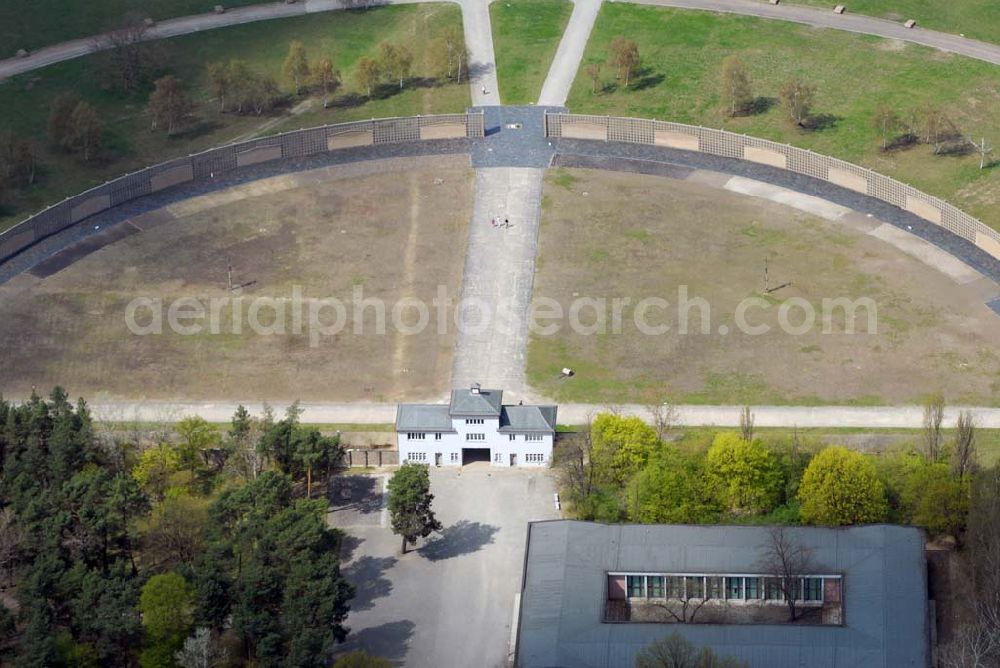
pixel 931 125
pixel 622 469
pixel 133 66
pixel 195 547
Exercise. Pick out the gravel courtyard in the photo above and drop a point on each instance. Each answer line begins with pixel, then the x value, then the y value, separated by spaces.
pixel 450 601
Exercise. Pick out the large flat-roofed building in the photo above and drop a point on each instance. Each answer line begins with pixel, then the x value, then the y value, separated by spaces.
pixel 594 595
pixel 475 426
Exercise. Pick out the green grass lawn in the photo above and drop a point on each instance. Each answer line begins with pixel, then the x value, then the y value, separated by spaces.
pixel 29 25
pixel 129 143
pixel 682 54
pixel 526 34
pixel 979 19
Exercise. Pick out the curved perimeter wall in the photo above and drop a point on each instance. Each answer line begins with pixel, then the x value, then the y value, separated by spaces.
pixel 782 156
pixel 205 165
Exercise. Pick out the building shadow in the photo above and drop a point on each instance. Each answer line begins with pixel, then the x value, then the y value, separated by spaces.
pixel 367 574
pixel 389 641
pixel 463 537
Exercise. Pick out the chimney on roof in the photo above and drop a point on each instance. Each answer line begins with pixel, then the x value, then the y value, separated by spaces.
pixel 475 388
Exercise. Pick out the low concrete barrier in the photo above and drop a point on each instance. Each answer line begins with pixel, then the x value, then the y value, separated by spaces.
pixel 800 161
pixel 217 161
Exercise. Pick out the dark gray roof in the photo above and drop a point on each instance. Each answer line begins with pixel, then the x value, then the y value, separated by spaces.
pixel 485 403
pixel 528 418
pixel 423 417
pixel 885 594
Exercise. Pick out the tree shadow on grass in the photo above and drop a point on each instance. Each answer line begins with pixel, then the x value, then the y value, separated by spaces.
pixel 463 537
pixel 645 78
pixel 761 105
pixel 347 101
pixel 818 122
pixel 200 128
pixel 367 576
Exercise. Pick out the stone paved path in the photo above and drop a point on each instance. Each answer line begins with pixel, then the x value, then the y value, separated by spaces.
pixel 499 272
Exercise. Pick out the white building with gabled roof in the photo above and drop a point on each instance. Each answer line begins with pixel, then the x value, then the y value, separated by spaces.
pixel 475 426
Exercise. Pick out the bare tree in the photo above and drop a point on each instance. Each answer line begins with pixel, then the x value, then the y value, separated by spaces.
pixel 323 75
pixel 887 123
pixel 573 464
pixel 248 458
pixel 665 417
pixel 593 71
pixel 973 646
pixel 201 651
pixel 735 89
pixel 983 149
pixel 624 55
pixel 367 75
pixel 936 128
pixel 964 453
pixel 798 96
pixel 127 57
pixel 976 642
pixel 787 560
pixel 86 131
pixel 688 603
pixel 746 423
pixel 933 417
pixel 169 106
pixel 296 65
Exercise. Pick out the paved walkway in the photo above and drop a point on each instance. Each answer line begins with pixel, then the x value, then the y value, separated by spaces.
pixel 859 23
pixel 482 64
pixel 474 27
pixel 475 17
pixel 887 417
pixel 499 273
pixel 564 66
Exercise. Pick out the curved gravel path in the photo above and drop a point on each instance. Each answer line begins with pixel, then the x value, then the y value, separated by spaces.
pixel 811 16
pixel 858 23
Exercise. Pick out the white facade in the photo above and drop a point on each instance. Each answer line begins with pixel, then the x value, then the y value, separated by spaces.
pixel 515 436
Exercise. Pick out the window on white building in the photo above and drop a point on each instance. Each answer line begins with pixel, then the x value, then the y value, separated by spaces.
pixel 534 458
pixel 752 588
pixel 475 437
pixel 534 437
pixel 498 458
pixel 454 457
pixel 417 457
pixel 511 437
pixel 474 421
pixel 416 436
pixel 437 436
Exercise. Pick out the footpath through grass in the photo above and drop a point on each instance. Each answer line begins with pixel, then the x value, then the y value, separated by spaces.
pixel 526 34
pixel 682 54
pixel 978 19
pixel 128 142
pixel 30 25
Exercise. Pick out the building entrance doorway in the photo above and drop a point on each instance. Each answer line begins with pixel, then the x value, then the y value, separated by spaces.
pixel 472 455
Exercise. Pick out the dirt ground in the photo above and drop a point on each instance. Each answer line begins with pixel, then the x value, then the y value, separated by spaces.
pixel 613 235
pixel 323 234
